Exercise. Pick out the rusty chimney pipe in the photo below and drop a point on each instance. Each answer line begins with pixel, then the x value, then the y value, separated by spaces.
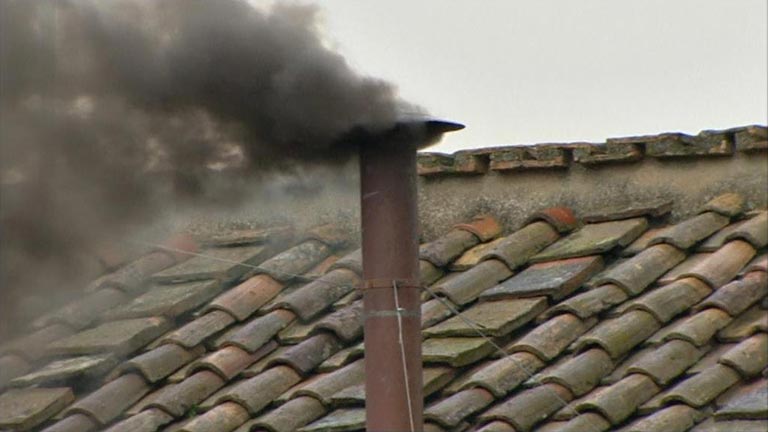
pixel 391 294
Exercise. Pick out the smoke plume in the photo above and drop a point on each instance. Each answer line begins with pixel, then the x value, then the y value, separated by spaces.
pixel 112 112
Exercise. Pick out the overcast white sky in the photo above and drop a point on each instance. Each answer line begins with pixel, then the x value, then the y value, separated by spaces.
pixel 561 71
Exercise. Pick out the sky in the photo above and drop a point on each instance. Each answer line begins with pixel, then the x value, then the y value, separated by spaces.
pixel 519 72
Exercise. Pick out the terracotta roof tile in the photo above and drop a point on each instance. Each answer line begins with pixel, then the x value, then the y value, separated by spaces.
pixel 290 416
pixel 243 237
pixel 108 402
pixel 178 398
pixel 549 339
pixel 308 354
pixel 720 267
pixel 619 335
pixel 555 279
pixel 750 322
pixel 636 273
pixel 222 418
pixel 160 362
pixel 581 373
pixel 746 402
pixel 338 421
pixel 23 409
pixel 515 249
pixel 749 357
pixel 218 263
pixel 702 388
pixel 656 208
pixel 594 239
pixel 351 261
pixel 227 362
pixel 711 358
pixel 670 145
pixel 698 328
pixel 333 235
pixel 117 337
pixel 689 232
pixel 341 358
pixel 666 302
pixel 260 330
pixel 294 261
pixel 70 368
pixel 259 391
pixel 640 243
pixel 296 332
pixel 689 263
pixel 484 227
pixel 667 362
pixel 716 240
pixel 313 298
pixel 732 425
pixel 496 318
pixel 474 255
pixel 447 248
pixel 587 422
pixel 346 323
pixel 497 426
pixel 532 406
pixel 451 411
pixel 590 303
pixel 465 287
pixel 435 310
pixel 677 418
pixel 455 351
pixel 74 423
pixel 737 296
pixel 727 204
pixel 503 375
pixel 759 263
pixel 247 297
pixel 327 385
pixel 196 331
pixel 618 401
pixel 169 301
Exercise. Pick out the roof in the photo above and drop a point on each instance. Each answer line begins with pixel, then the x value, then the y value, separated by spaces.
pixel 618 319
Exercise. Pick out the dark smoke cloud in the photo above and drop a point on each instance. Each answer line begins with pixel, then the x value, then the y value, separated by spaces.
pixel 113 111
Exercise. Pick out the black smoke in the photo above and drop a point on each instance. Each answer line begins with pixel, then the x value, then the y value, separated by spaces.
pixel 113 111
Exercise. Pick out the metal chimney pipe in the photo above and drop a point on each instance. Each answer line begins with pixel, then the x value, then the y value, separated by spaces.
pixel 391 294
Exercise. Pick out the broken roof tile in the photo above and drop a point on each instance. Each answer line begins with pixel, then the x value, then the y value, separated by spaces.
pixel 699 328
pixel 667 362
pixel 581 373
pixel 474 255
pixel 655 208
pixel 690 231
pixel 195 332
pixel 515 249
pixel 117 337
pixel 342 420
pixel 242 237
pixel 70 368
pixel 451 411
pixel 177 399
pixel 260 330
pixel 618 401
pixel 503 375
pixel 667 301
pixel 484 227
pixel 749 357
pixel 23 409
pixel 636 273
pixel 735 297
pixel 222 418
pixel 677 418
pixel 590 303
pixel 746 402
pixel 161 361
pixel 311 299
pixel 619 335
pixel 288 264
pixel 530 407
pixel 170 301
pixel 346 323
pixel 109 401
pixel 549 339
pixel 750 322
pixel 455 351
pixel 247 297
pixel 225 264
pixel 496 318
pixel 308 354
pixel 464 287
pixel 722 265
pixel 555 279
pixel 594 239
pixel 290 416
pixel 727 204
pixel 700 389
pixel 230 360
pixel 445 249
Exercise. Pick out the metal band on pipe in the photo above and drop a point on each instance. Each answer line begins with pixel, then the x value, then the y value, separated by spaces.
pixel 389 283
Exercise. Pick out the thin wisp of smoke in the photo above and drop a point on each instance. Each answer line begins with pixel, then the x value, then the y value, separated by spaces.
pixel 112 112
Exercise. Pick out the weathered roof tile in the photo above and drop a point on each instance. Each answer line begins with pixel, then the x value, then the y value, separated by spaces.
pixel 117 337
pixel 555 279
pixel 590 303
pixel 515 249
pixel 680 145
pixel 641 243
pixel 495 318
pixel 655 208
pixel 74 423
pixel 435 310
pixel 698 328
pixel 260 330
pixel 669 300
pixel 247 297
pixel 746 402
pixel 177 399
pixel 35 345
pixel 733 425
pixel 747 324
pixel 82 312
pixel 759 263
pixel 735 297
pixel 580 373
pixel 700 389
pixel 464 287
pixel 503 375
pixel 308 354
pixel 327 385
pixel 449 412
pixel 70 368
pixel 109 401
pixel 720 267
pixel 447 248
pixel 549 339
pixel 474 255
pixel 195 332
pixel 226 263
pixel 341 420
pixel 259 391
pixel 619 335
pixel 683 268
pixel 586 422
pixel 690 231
pixel 313 298
pixel 227 362
pixel 528 157
pixel 636 273
pixel 594 239
pixel 290 416
pixel 169 301
pixel 346 323
pixel 286 265
pixel 618 401
pixel 749 357
pixel 23 409
pixel 222 418
pixel 677 418
pixel 455 351
pixel 530 407
pixel 667 362
pixel 484 227
pixel 727 204
pixel 160 362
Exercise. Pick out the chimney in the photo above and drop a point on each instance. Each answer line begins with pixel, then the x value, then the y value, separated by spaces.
pixel 391 294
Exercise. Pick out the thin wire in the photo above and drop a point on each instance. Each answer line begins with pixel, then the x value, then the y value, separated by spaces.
pixel 473 325
pixel 402 356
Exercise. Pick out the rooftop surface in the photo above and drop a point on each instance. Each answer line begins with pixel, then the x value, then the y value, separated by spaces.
pixel 618 318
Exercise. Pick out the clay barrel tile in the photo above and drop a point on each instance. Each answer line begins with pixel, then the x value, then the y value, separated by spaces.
pixel 620 400
pixel 728 204
pixel 435 310
pixel 23 409
pixel 339 420
pixel 549 339
pixel 581 373
pixel 150 420
pixel 179 398
pixel 586 422
pixel 677 418
pixel 690 231
pixel 260 330
pixel 259 391
pixel 497 426
pixel 667 362
pixel 759 263
pixel 445 249
pixel 352 261
pixel 109 401
pixel 290 416
pixel 594 239
pixel 496 318
pixel 745 402
pixel 307 355
pixel 636 273
pixel 619 335
pixel 526 409
pixel 666 302
pixel 222 418
pixel 737 296
pixel 724 264
pixel 325 387
pixel 313 298
pixel 590 303
pixel 74 423
pixel 699 328
pixel 451 411
pixel 227 362
pixel 455 351
pixel 503 375
pixel 464 287
pixel 474 255
pixel 748 323
pixel 517 248
pixel 346 323
pixel 286 265
pixel 749 357
pixel 247 297
pixel 195 332
pixel 702 388
pixel 754 231
pixel 561 218
pixel 484 227
pixel 160 362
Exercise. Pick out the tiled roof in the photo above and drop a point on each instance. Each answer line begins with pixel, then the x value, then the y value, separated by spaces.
pixel 615 321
